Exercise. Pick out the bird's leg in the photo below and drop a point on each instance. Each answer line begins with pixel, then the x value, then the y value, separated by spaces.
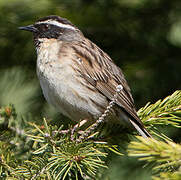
pixel 103 116
pixel 78 125
pixel 72 130
pixel 66 131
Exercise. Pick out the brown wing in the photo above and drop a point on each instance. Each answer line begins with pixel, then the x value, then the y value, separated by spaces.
pixel 100 71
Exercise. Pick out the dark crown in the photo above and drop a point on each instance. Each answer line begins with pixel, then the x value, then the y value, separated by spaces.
pixel 56 18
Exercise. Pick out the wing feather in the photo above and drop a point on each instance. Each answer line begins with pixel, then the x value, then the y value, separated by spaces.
pixel 99 70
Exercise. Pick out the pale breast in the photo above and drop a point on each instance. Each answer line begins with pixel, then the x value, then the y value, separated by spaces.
pixel 63 87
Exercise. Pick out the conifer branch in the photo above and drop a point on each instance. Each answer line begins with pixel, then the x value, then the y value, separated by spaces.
pixel 54 154
pixel 163 112
pixel 166 156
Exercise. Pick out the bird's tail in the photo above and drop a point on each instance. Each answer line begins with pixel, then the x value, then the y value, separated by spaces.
pixel 142 130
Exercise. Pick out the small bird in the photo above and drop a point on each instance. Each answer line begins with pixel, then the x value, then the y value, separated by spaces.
pixel 77 77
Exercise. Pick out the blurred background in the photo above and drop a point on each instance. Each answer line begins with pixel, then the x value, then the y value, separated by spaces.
pixel 143 37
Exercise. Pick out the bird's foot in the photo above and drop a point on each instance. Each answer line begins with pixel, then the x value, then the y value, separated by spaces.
pixel 76 127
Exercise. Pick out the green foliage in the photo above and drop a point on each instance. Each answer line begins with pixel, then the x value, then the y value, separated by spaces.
pixel 165 153
pixel 64 156
pixel 163 112
pixel 168 175
pixel 20 91
pixel 53 154
pixel 32 151
pixel 165 156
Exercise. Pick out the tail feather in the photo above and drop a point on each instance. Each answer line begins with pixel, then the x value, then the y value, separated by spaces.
pixel 142 131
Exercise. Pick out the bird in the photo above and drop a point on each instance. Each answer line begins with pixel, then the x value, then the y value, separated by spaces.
pixel 78 78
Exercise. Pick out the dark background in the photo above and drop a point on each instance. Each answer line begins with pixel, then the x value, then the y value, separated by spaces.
pixel 143 37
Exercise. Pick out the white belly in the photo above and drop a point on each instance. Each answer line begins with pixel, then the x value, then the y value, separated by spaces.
pixel 62 88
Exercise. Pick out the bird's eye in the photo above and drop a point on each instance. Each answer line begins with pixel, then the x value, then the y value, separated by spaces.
pixel 46 26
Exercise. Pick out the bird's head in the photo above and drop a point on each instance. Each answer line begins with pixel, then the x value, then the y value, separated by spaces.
pixel 53 27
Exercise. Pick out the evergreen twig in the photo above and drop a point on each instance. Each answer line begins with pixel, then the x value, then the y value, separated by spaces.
pixel 163 112
pixel 53 154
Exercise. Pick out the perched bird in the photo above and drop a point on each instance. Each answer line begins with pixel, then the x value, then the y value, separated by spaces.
pixel 77 77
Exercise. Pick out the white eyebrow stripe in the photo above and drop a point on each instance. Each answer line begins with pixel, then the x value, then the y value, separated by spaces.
pixel 57 24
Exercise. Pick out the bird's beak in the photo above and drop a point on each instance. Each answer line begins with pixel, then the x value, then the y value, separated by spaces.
pixel 30 28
